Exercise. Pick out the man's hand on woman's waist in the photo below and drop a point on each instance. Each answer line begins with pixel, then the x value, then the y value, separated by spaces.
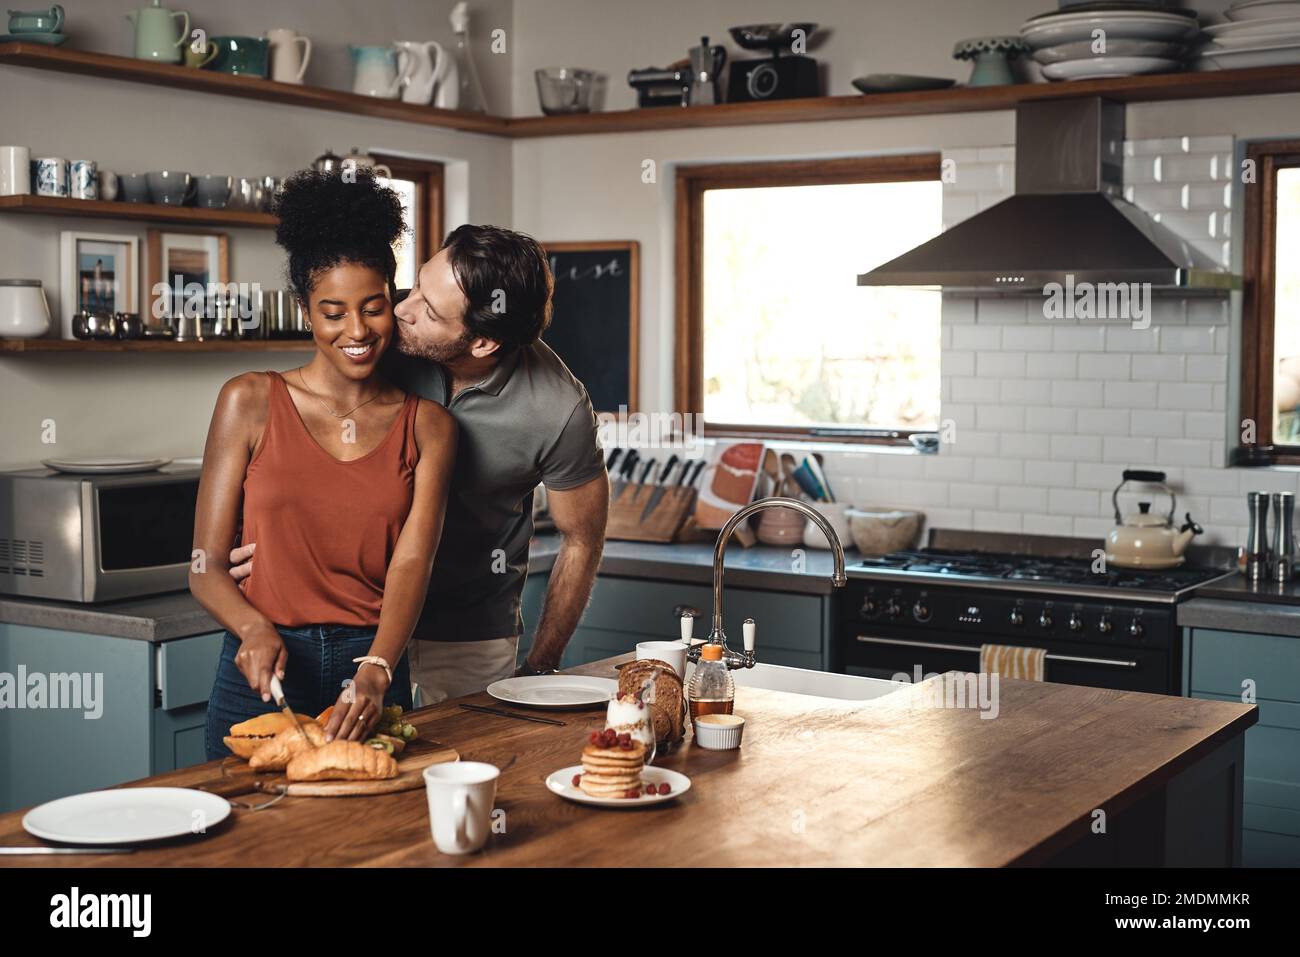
pixel 241 561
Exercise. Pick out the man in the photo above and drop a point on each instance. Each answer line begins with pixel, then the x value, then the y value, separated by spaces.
pixel 469 338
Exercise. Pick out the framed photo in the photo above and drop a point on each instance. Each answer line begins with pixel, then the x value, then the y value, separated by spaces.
pixel 179 259
pixel 99 271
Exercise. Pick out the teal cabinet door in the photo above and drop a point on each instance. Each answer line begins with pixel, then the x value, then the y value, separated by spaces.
pixel 186 669
pixel 1220 665
pixel 90 729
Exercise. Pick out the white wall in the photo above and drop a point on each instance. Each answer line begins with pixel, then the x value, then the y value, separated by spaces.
pixel 110 403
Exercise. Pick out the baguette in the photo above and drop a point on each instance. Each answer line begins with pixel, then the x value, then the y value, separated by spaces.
pixel 274 755
pixel 342 761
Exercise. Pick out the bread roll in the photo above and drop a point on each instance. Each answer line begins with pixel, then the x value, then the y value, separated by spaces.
pixel 274 755
pixel 342 761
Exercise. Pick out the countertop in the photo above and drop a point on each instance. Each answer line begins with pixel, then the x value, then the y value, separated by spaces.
pixel 178 615
pixel 936 787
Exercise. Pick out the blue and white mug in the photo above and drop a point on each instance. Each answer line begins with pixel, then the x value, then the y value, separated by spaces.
pixel 51 175
pixel 83 179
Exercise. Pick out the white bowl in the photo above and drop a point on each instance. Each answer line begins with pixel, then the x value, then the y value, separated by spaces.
pixel 716 736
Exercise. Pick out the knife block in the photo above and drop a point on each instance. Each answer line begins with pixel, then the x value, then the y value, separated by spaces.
pixel 662 525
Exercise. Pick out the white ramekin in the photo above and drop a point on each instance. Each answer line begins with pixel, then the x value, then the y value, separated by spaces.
pixel 716 737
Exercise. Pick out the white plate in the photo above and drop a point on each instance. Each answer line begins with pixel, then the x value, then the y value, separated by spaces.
pixel 109 466
pixel 1253 28
pixel 1102 66
pixel 1259 41
pixel 1254 56
pixel 126 816
pixel 1082 50
pixel 1118 24
pixel 1262 9
pixel 561 782
pixel 554 691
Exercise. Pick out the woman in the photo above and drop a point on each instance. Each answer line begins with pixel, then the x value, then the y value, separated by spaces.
pixel 343 481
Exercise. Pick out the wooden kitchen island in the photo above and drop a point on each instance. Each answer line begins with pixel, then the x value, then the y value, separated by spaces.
pixel 817 782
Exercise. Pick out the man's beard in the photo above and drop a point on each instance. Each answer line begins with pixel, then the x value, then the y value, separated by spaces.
pixel 444 353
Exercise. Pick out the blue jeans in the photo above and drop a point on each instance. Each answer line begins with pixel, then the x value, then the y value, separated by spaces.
pixel 320 660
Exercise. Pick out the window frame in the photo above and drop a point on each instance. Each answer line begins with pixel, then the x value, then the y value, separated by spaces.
pixel 1258 299
pixel 429 178
pixel 692 181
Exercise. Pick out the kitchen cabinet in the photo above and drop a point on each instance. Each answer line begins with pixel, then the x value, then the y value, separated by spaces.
pixel 1221 665
pixel 793 629
pixel 142 713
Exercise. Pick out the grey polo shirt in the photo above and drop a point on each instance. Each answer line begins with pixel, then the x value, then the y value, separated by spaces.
pixel 530 421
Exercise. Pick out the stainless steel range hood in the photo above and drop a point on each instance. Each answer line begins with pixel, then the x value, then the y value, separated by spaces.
pixel 1068 218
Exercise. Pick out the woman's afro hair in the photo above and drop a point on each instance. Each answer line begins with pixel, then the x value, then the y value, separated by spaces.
pixel 326 220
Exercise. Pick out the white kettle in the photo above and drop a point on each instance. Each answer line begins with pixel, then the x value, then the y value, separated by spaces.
pixel 428 67
pixel 1143 539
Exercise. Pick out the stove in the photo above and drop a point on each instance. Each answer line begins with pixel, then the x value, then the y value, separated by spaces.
pixel 933 608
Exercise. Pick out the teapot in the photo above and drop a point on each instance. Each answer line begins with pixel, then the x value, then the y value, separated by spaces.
pixel 156 37
pixel 1145 540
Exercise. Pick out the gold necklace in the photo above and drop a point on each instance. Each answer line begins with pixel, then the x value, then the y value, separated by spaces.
pixel 338 415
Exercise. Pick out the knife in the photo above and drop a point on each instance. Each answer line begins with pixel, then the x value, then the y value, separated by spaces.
pixel 277 693
pixel 645 473
pixel 613 458
pixel 660 487
pixel 625 473
pixel 694 474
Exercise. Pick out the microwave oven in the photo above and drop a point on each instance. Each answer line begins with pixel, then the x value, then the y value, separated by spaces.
pixel 92 538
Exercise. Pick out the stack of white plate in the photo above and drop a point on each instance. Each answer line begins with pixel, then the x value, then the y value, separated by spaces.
pixel 1257 33
pixel 1134 38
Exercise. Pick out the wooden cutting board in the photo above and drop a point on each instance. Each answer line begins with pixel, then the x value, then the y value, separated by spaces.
pixel 238 778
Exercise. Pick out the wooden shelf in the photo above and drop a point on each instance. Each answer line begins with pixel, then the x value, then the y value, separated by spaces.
pixel 112 67
pixel 147 212
pixel 21 346
pixel 1136 89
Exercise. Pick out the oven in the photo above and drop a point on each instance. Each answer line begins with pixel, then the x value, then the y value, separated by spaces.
pixel 888 628
pixel 91 538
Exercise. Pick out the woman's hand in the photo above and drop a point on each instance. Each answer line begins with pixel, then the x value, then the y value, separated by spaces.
pixel 261 654
pixel 357 711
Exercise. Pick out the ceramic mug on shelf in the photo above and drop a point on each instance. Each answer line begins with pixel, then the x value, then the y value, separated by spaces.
pixel 213 192
pixel 156 36
pixel 24 313
pixel 380 71
pixel 241 56
pixel 196 55
pixel 135 187
pixel 461 795
pixel 83 179
pixel 36 21
pixel 108 185
pixel 290 54
pixel 51 174
pixel 15 170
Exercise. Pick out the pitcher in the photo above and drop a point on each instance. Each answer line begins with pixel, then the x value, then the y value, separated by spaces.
pixel 380 71
pixel 288 61
pixel 429 64
pixel 155 33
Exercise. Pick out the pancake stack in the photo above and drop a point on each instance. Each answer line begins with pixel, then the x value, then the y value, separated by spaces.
pixel 612 771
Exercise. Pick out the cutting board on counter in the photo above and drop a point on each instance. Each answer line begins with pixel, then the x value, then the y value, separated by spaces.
pixel 238 778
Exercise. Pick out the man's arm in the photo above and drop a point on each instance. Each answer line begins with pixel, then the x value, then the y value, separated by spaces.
pixel 579 515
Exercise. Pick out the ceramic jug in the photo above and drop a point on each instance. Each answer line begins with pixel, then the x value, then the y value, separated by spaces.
pixel 429 65
pixel 380 71
pixel 36 21
pixel 155 33
pixel 290 54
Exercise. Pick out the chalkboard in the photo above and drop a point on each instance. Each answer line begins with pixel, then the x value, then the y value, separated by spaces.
pixel 594 319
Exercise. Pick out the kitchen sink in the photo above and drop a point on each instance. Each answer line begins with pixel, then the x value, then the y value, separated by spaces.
pixel 822 684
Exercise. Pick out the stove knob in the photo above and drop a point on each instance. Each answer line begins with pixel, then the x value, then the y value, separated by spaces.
pixel 1135 628
pixel 1017 616
pixel 1076 622
pixel 1045 620
pixel 1104 625
pixel 869 609
pixel 921 611
pixel 893 609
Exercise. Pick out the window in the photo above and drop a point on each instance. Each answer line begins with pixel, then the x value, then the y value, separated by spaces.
pixel 419 185
pixel 775 336
pixel 1270 390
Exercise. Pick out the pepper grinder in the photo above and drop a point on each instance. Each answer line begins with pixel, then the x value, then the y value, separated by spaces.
pixel 1257 543
pixel 1284 549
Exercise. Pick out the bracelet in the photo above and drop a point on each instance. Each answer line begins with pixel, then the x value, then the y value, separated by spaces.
pixel 375 660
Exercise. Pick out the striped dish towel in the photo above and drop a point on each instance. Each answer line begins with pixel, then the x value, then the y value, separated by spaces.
pixel 1012 661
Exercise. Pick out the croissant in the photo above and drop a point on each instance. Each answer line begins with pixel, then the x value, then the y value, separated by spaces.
pixel 342 761
pixel 275 754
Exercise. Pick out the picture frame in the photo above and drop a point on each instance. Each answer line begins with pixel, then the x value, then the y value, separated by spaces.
pixel 97 271
pixel 201 256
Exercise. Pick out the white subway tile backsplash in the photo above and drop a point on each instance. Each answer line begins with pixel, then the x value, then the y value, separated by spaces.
pixel 949 467
pixel 1079 339
pixel 1180 341
pixel 1001 365
pixel 1028 337
pixel 1208 311
pixel 1129 451
pixel 1185 395
pixel 998 312
pixel 1022 445
pixel 1160 368
pixel 1207 368
pixel 1056 365
pixel 1076 448
pixel 1104 421
pixel 1020 498
pixel 953 363
pixel 1195 452
pixel 1125 339
pixel 1027 391
pixel 971 495
pixel 1042 472
pixel 976 337
pixel 1105 365
pixel 1092 527
pixel 1046 524
pixel 974 389
pixel 1129 395
pixel 997 521
pixel 1074 501
pixel 999 471
pixel 1077 392
pixel 1095 475
pixel 1049 420
pixel 1156 422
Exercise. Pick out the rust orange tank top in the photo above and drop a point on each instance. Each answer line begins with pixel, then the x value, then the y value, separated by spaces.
pixel 325 529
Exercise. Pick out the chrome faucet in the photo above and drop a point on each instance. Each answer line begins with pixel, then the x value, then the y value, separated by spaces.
pixel 717 636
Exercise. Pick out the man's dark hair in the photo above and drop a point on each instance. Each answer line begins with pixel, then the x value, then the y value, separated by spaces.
pixel 507 281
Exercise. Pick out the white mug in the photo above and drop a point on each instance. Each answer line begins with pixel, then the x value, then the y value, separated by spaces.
pixel 83 179
pixel 15 170
pixel 288 64
pixel 51 174
pixel 673 652
pixel 461 795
